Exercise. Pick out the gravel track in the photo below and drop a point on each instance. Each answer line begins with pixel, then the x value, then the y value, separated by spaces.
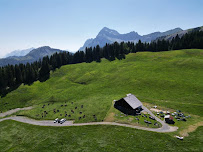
pixel 165 127
pixel 13 111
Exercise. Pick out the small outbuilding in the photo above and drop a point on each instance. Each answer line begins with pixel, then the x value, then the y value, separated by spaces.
pixel 129 105
pixel 169 119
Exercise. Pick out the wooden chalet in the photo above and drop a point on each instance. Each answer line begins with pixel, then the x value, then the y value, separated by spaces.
pixel 129 105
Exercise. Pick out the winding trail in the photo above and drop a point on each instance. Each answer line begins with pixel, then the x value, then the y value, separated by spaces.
pixel 165 127
pixel 14 111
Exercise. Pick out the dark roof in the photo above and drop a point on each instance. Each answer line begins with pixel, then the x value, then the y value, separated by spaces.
pixel 132 101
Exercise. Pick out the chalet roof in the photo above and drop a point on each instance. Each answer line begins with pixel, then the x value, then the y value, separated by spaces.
pixel 132 101
pixel 167 116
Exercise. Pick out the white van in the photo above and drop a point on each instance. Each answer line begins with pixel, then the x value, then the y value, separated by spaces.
pixel 62 121
pixel 57 120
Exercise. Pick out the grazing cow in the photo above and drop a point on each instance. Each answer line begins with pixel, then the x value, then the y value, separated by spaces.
pixel 76 107
pixel 80 112
pixel 83 116
pixel 69 115
pixel 57 110
pixel 79 118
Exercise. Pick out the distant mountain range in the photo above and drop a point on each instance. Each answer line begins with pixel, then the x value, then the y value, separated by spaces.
pixel 33 55
pixel 107 35
pixel 179 33
pixel 19 52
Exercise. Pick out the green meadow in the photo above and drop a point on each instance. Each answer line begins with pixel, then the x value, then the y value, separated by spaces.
pixel 16 136
pixel 171 80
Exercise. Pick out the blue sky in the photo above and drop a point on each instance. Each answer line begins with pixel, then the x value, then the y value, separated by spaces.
pixel 66 24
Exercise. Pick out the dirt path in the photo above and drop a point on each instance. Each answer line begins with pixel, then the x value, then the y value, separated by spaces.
pixel 165 127
pixel 13 111
pixel 191 128
pixel 70 123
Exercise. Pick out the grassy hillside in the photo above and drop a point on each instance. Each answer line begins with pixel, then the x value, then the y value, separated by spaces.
pixel 172 79
pixel 15 136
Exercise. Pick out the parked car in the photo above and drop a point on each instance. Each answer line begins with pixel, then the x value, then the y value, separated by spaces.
pixel 151 117
pixel 178 137
pixel 62 121
pixel 56 120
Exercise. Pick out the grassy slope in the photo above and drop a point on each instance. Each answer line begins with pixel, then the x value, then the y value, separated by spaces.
pixel 171 79
pixel 15 136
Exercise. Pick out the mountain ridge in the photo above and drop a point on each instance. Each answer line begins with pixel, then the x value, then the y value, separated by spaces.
pixel 32 56
pixel 107 35
pixel 19 52
pixel 180 33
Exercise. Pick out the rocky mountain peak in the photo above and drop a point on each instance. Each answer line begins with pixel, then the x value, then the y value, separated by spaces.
pixel 106 31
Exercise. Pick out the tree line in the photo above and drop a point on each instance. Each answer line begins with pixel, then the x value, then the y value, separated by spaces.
pixel 12 76
pixel 188 41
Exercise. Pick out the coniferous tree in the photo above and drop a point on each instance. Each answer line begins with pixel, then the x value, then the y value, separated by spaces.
pixel 44 72
pixel 18 73
pixel 97 54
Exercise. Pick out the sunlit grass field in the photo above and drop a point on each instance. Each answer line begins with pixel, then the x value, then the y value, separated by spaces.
pixel 16 136
pixel 172 79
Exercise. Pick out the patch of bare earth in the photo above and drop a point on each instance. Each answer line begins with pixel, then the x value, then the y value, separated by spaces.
pixel 158 109
pixel 110 117
pixel 191 128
